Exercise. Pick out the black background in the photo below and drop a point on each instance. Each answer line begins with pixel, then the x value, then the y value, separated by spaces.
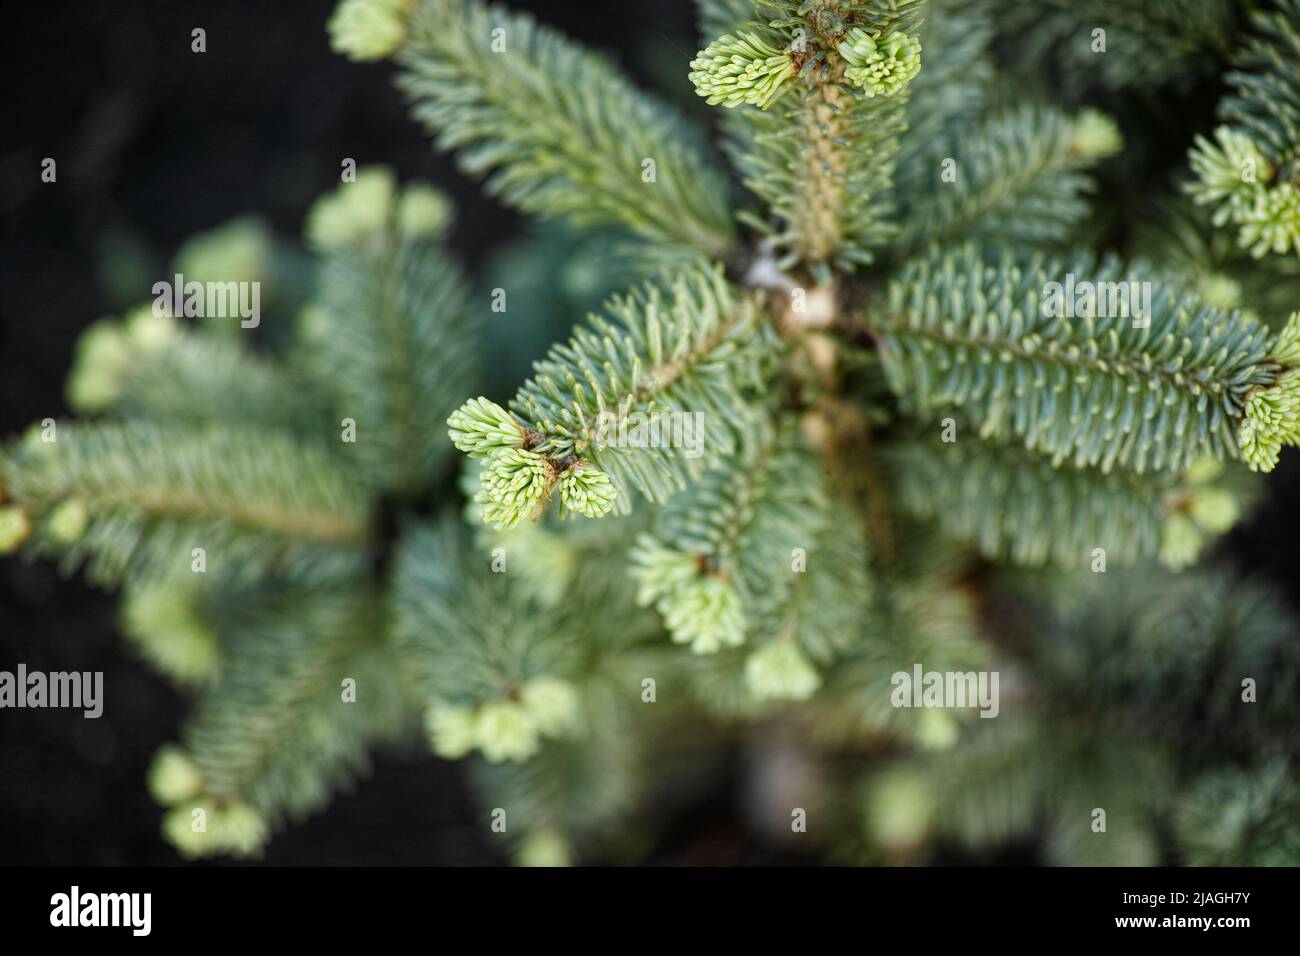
pixel 155 143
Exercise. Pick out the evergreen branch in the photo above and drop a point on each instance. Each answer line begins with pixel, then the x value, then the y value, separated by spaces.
pixel 1180 237
pixel 1242 817
pixel 919 613
pixel 718 17
pixel 470 636
pixel 1017 177
pixel 822 158
pixel 1265 98
pixel 1104 390
pixel 823 615
pixel 1176 648
pixel 167 621
pixel 724 550
pixel 559 130
pixel 387 338
pixel 1252 171
pixel 948 95
pixel 151 367
pixel 661 389
pixel 280 730
pixel 1015 505
pixel 575 786
pixel 1146 44
pixel 137 497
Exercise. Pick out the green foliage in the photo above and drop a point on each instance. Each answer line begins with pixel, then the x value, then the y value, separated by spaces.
pixel 151 367
pixel 1252 172
pixel 1098 390
pixel 720 557
pixel 821 159
pixel 1016 177
pixel 1242 818
pixel 1011 503
pixel 459 628
pixel 559 130
pixel 1146 44
pixel 278 728
pixel 392 313
pixel 691 347
pixel 254 500
pixel 891 416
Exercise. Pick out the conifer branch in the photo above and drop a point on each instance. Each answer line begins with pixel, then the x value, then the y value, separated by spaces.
pixel 1013 504
pixel 279 731
pixel 682 355
pixel 558 131
pixel 1016 176
pixel 994 338
pixel 822 155
pixel 138 497
pixel 387 334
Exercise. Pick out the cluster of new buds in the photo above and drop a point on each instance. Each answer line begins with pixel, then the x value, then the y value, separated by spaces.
pixel 366 30
pixel 196 824
pixel 1272 415
pixel 699 608
pixel 506 729
pixel 746 67
pixel 880 65
pixel 516 481
pixel 743 68
pixel 371 205
pixel 1245 187
pixel 702 608
pixel 1201 509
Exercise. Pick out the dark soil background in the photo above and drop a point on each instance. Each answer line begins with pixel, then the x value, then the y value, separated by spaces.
pixel 155 143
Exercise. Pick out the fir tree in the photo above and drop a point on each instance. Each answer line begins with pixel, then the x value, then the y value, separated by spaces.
pixel 873 397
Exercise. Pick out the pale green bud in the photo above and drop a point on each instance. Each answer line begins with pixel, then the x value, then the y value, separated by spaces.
pixel 705 613
pixel 1204 470
pixel 178 829
pixel 241 830
pixel 163 621
pixel 506 731
pixel 513 485
pixel 1214 509
pixel 659 571
pixel 481 427
pixel 551 703
pixel 453 731
pixel 14 528
pixel 936 729
pixel 741 69
pixel 369 29
pixel 1095 135
pixel 1220 291
pixel 1272 221
pixel 900 808
pixel 880 66
pixel 1271 419
pixel 781 671
pixel 173 776
pixel 354 211
pixel 1286 347
pixel 236 251
pixel 1180 542
pixel 423 211
pixel 587 490
pixel 544 848
pixel 101 363
pixel 67 521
